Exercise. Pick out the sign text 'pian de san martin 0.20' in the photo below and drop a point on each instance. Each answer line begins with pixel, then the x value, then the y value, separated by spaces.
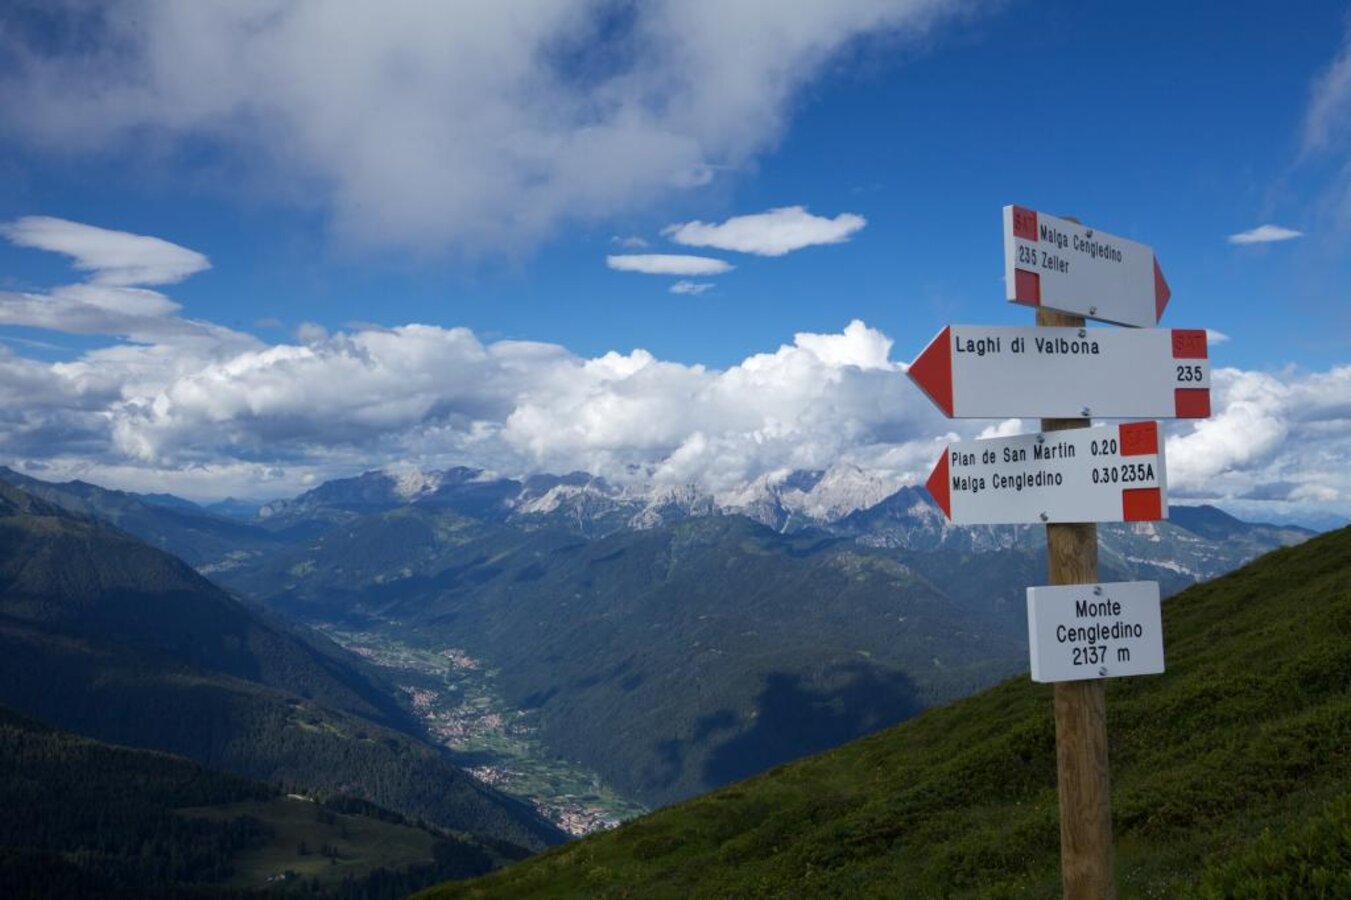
pixel 999 372
pixel 1078 632
pixel 1066 266
pixel 1111 473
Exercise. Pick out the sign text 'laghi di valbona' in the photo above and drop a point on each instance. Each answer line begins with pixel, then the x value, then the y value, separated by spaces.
pixel 995 372
pixel 1082 631
pixel 1111 473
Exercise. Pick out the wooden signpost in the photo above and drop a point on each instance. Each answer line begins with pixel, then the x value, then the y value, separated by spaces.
pixel 1080 631
pixel 1083 782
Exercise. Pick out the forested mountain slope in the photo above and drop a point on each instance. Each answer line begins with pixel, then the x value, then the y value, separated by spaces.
pixel 107 637
pixel 168 523
pixel 84 818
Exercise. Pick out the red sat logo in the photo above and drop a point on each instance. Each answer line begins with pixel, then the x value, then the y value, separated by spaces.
pixel 1189 343
pixel 1139 437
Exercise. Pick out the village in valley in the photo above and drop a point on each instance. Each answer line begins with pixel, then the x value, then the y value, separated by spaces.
pixel 455 696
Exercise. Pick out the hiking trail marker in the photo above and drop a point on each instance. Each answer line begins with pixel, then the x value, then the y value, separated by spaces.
pixel 1111 473
pixel 997 372
pixel 1059 264
pixel 1083 631
pixel 1080 631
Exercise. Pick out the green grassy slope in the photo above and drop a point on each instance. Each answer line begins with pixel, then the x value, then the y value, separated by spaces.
pixel 1231 776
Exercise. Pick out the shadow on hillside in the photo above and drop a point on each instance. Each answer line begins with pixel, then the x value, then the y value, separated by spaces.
pixel 794 719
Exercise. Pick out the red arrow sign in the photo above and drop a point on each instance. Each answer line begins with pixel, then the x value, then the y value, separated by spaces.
pixel 998 372
pixel 1111 473
pixel 1065 265
pixel 932 371
pixel 937 485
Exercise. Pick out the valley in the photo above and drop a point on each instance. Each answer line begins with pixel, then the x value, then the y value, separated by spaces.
pixel 1230 778
pixel 456 696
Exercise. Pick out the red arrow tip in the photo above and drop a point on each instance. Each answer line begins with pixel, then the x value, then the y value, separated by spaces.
pixel 938 486
pixel 1161 291
pixel 932 371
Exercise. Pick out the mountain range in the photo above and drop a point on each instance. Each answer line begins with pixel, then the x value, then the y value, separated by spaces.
pixel 670 640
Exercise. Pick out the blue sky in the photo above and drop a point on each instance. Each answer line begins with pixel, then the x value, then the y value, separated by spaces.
pixel 429 168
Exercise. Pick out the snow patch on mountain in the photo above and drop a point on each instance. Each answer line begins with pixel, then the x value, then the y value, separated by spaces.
pixel 840 491
pixel 409 483
pixel 781 499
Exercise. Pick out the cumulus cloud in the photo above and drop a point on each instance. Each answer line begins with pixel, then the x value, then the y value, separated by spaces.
pixel 195 407
pixel 233 415
pixel 472 125
pixel 1265 234
pixel 667 264
pixel 261 420
pixel 1275 436
pixel 691 287
pixel 114 258
pixel 773 233
pixel 421 390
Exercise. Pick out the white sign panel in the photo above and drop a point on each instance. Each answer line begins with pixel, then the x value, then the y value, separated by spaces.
pixel 992 372
pixel 1059 264
pixel 1111 473
pixel 1081 631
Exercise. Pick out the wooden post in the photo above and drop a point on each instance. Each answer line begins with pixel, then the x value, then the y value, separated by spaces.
pixel 1086 866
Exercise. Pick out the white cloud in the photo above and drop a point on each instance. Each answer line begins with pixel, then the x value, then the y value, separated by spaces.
pixel 140 315
pixel 216 412
pixel 632 242
pixel 1265 234
pixel 262 419
pixel 196 407
pixel 1214 337
pixel 1009 428
pixel 691 287
pixel 773 233
pixel 1280 437
pixel 667 264
pixel 116 258
pixel 1327 121
pixel 109 304
pixel 311 333
pixel 1325 146
pixel 419 390
pixel 473 125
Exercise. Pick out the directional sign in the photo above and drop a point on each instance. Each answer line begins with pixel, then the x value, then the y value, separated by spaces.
pixel 1084 631
pixel 1111 473
pixel 1063 265
pixel 987 372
